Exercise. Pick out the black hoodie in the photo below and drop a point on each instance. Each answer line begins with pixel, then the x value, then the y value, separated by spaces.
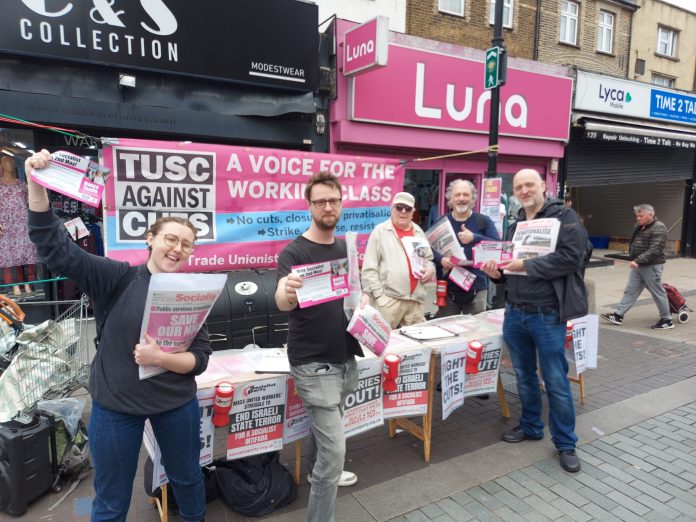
pixel 556 279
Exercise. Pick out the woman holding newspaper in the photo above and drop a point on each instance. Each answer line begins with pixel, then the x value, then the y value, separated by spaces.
pixel 121 402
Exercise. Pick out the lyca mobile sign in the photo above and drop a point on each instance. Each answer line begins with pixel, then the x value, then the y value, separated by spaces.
pixel 599 93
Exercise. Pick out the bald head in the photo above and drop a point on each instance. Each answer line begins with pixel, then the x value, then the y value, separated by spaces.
pixel 529 189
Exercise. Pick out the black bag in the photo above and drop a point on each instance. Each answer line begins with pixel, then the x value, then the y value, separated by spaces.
pixel 211 490
pixel 255 486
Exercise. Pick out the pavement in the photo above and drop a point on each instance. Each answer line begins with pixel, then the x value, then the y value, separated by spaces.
pixel 637 432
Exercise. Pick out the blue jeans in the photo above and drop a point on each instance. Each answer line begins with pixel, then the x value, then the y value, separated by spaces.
pixel 114 445
pixel 323 387
pixel 540 335
pixel 649 277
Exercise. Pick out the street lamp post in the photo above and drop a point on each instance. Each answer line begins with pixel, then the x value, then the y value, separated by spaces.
pixel 499 42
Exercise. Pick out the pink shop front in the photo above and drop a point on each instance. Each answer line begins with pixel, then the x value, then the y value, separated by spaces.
pixel 429 101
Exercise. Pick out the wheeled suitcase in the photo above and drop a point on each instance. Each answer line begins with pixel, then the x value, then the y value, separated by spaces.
pixel 26 467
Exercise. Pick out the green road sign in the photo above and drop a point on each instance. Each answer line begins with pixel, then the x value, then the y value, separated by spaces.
pixel 491 71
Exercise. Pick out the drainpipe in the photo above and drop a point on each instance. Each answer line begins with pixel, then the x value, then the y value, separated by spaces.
pixel 537 25
pixel 630 41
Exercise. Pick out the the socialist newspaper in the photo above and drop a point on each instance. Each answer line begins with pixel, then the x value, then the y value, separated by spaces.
pixel 416 249
pixel 371 329
pixel 176 307
pixel 443 240
pixel 535 238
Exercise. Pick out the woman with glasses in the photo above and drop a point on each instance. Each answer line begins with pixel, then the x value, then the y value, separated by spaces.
pixel 121 402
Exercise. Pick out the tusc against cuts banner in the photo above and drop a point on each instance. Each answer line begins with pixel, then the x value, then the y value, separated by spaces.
pixel 246 203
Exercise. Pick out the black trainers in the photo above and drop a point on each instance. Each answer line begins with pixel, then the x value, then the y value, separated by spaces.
pixel 613 318
pixel 569 460
pixel 663 324
pixel 517 435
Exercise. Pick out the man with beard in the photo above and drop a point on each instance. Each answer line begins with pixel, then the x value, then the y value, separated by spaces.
pixel 387 275
pixel 542 294
pixel 321 352
pixel 471 228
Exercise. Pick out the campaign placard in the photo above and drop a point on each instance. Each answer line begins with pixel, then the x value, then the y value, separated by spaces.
pixel 583 350
pixel 322 282
pixel 363 408
pixel 452 376
pixel 256 419
pixel 485 380
pixel 206 399
pixel 411 395
pixel 67 174
pixel 297 424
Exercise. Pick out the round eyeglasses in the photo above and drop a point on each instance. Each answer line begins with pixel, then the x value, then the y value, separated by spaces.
pixel 172 241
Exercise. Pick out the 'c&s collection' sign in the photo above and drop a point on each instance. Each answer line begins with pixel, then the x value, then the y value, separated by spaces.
pixel 246 203
pixel 259 38
pixel 426 89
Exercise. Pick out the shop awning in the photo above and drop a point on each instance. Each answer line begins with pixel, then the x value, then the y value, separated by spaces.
pixel 622 131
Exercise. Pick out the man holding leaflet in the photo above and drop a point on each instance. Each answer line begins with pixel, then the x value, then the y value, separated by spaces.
pixel 321 351
pixel 537 307
pixel 471 228
pixel 388 277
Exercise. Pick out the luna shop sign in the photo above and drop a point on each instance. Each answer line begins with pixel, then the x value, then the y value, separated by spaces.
pixel 246 203
pixel 173 36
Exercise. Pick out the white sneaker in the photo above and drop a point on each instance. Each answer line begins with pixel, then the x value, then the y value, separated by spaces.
pixel 347 478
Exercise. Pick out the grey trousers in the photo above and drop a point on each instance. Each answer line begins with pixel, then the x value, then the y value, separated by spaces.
pixel 649 277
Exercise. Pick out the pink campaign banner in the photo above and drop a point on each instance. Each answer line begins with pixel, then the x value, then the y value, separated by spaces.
pixel 426 89
pixel 246 203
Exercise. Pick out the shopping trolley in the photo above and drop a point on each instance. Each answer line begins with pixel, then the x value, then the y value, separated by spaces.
pixel 48 361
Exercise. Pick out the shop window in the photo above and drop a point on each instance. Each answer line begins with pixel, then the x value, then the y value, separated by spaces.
pixel 662 80
pixel 507 13
pixel 425 187
pixel 569 22
pixel 666 42
pixel 605 32
pixel 453 7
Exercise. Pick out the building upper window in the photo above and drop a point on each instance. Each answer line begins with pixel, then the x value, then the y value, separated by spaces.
pixel 455 7
pixel 605 32
pixel 507 13
pixel 667 42
pixel 664 81
pixel 569 22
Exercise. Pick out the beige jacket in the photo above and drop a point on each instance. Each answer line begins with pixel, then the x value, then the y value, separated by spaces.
pixel 385 267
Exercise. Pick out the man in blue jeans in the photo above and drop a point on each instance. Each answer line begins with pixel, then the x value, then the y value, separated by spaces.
pixel 543 293
pixel 321 352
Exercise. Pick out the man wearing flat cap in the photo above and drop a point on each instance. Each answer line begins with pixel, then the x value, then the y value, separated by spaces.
pixel 398 261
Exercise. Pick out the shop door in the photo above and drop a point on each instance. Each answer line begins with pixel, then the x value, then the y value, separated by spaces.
pixel 424 185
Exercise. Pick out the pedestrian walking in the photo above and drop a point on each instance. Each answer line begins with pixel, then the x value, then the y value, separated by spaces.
pixel 647 254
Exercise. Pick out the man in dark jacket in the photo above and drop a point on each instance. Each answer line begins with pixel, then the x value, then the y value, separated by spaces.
pixel 647 253
pixel 471 228
pixel 537 307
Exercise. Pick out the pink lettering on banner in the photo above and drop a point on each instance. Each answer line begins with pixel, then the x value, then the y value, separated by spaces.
pixel 425 89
